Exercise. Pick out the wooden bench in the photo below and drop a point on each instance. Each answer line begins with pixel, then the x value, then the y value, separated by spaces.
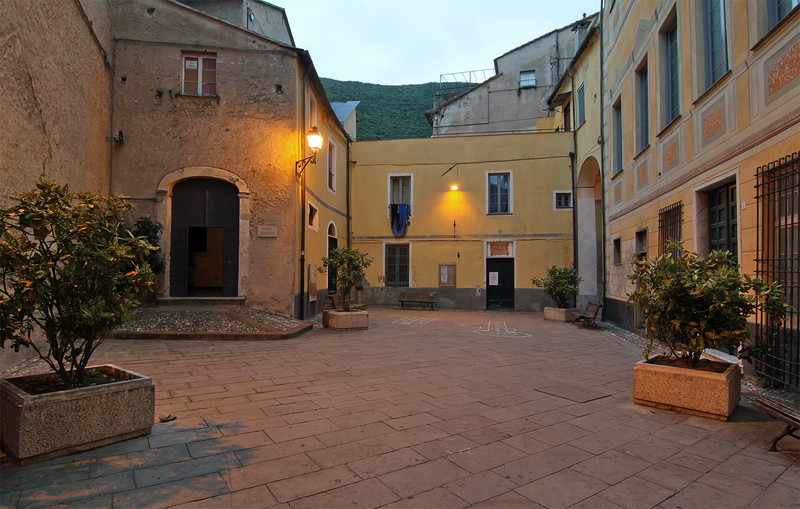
pixel 418 296
pixel 589 316
pixel 781 411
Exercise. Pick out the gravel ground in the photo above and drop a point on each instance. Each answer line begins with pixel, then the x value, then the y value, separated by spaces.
pixel 166 319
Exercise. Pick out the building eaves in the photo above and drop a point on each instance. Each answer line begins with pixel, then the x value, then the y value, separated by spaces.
pixel 584 44
pixel 590 17
pixel 344 109
pixel 302 55
pixel 236 27
pixel 305 59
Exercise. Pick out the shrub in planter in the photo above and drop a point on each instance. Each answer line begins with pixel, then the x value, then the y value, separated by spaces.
pixel 560 284
pixel 349 266
pixel 67 266
pixel 690 304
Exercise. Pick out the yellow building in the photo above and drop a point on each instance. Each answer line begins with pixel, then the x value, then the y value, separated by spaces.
pixel 577 104
pixel 478 245
pixel 702 110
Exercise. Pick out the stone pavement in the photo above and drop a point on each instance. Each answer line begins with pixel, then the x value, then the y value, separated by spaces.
pixel 425 409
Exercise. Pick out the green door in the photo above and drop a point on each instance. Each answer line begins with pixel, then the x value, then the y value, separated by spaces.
pixel 499 283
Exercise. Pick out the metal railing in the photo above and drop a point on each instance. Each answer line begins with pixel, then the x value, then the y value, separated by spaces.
pixel 670 219
pixel 778 260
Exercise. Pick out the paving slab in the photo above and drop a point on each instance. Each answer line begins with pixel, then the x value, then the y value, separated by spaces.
pixel 423 409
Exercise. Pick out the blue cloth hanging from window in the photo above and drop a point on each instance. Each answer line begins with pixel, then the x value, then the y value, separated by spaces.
pixel 399 214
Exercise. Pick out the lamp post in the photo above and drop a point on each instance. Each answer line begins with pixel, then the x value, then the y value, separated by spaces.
pixel 315 141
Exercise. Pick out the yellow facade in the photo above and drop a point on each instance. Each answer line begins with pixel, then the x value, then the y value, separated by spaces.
pixel 576 102
pixel 731 118
pixel 323 193
pixel 456 228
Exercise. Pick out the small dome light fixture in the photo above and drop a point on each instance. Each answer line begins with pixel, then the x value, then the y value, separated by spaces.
pixel 454 187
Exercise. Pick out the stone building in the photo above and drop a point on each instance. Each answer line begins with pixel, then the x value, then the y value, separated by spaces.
pixel 198 112
pixel 514 100
pixel 214 107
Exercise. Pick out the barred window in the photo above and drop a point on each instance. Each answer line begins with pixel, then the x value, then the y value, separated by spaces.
pixel 669 226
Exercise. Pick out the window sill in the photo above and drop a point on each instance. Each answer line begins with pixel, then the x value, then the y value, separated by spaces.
pixel 641 152
pixel 667 127
pixel 714 86
pixel 776 28
pixel 499 214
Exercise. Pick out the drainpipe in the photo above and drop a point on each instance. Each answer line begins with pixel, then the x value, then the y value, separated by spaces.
pixel 573 159
pixel 349 183
pixel 302 206
pixel 601 29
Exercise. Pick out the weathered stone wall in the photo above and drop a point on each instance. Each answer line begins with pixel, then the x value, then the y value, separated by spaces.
pixel 56 94
pixel 248 131
pixel 56 100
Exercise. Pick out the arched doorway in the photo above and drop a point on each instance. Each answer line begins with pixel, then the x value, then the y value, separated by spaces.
pixel 333 243
pixel 204 239
pixel 589 203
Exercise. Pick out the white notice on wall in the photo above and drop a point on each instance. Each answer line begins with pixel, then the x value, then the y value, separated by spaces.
pixel 494 278
pixel 268 231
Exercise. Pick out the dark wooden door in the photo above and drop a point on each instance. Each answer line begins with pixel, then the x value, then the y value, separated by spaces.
pixel 204 209
pixel 499 283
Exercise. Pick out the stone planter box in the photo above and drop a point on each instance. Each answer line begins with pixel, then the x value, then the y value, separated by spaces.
pixel 693 391
pixel 37 427
pixel 345 320
pixel 560 314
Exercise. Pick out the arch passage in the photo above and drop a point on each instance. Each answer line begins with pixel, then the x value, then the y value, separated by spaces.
pixel 204 257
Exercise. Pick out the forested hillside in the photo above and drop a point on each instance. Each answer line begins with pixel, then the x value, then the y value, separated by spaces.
pixel 386 112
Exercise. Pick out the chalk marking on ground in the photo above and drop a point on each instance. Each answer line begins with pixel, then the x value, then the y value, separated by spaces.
pixel 500 329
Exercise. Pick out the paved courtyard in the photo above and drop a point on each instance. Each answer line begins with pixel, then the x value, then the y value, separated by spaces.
pixel 425 409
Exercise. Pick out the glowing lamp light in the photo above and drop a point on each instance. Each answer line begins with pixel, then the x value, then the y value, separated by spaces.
pixel 454 187
pixel 314 139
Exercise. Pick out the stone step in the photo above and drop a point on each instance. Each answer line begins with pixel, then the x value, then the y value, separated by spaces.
pixel 200 301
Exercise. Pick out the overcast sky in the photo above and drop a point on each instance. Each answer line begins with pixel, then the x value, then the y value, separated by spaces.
pixel 414 41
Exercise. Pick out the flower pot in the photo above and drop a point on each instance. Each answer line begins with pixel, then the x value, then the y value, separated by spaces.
pixel 702 392
pixel 345 320
pixel 560 314
pixel 37 427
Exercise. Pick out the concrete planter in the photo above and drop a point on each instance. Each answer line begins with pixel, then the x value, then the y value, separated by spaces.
pixel 43 426
pixel 693 391
pixel 345 320
pixel 560 314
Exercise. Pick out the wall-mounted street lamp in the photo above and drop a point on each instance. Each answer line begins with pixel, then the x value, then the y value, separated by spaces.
pixel 314 140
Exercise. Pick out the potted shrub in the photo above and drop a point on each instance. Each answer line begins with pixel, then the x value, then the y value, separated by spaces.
pixel 349 267
pixel 68 265
pixel 690 304
pixel 150 230
pixel 561 285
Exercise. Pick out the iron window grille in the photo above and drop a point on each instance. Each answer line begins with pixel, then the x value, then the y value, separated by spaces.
pixel 670 220
pixel 778 260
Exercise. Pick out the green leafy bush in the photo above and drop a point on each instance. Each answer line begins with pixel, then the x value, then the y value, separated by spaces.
pixel 348 264
pixel 68 265
pixel 690 304
pixel 560 284
pixel 151 231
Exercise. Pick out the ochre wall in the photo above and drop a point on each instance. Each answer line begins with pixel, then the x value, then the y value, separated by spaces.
pixel 56 95
pixel 540 235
